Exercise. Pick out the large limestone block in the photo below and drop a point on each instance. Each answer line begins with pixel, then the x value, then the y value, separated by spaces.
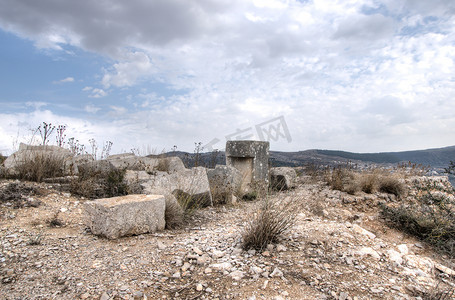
pixel 29 152
pixel 282 178
pixel 130 161
pixel 224 181
pixel 191 182
pixel 127 215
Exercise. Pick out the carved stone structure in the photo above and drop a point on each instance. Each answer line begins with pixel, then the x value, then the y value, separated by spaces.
pixel 251 158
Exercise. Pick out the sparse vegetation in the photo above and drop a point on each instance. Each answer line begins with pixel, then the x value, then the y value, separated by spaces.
pixel 430 216
pixel 272 220
pixel 174 213
pixel 99 180
pixel 449 170
pixel 35 239
pixel 391 185
pixel 189 202
pixel 163 164
pixel 55 221
pixel 19 195
pixel 369 181
pixel 38 165
pixel 439 291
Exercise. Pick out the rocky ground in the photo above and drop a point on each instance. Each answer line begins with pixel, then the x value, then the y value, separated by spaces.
pixel 339 248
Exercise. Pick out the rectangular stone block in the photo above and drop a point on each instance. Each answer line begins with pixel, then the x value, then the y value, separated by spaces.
pixel 126 215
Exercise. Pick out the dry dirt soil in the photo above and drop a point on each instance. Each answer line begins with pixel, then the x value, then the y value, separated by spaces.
pixel 339 248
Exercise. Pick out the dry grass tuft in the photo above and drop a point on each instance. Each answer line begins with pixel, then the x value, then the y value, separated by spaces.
pixel 272 221
pixel 391 185
pixel 174 213
pixel 163 164
pixel 368 181
pixel 55 221
pixel 38 166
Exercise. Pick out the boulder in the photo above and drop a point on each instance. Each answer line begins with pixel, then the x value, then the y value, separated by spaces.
pixel 282 178
pixel 225 182
pixel 129 161
pixel 175 164
pixel 191 183
pixel 30 153
pixel 127 215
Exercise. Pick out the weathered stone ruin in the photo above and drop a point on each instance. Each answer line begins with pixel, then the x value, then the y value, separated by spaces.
pixel 225 183
pixel 282 178
pixel 122 216
pixel 251 158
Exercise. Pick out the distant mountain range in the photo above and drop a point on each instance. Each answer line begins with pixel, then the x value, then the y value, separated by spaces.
pixel 436 158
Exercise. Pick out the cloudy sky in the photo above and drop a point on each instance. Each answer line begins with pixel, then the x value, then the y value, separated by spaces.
pixel 355 75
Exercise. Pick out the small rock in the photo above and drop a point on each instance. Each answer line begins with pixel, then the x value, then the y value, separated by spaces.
pixel 395 256
pixel 403 248
pixel 138 295
pixel 363 231
pixel 251 252
pixel 266 253
pixel 222 266
pixel 197 251
pixel 369 251
pixel 255 270
pixel 199 287
pixel 237 275
pixel 186 266
pixel 343 296
pixel 160 245
pixel 280 248
pixel 105 296
pixel 276 273
pixel 176 275
pixel 218 253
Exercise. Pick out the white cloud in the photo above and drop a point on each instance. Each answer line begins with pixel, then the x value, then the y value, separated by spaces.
pixel 354 75
pixel 135 65
pixel 94 92
pixel 65 80
pixel 90 108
